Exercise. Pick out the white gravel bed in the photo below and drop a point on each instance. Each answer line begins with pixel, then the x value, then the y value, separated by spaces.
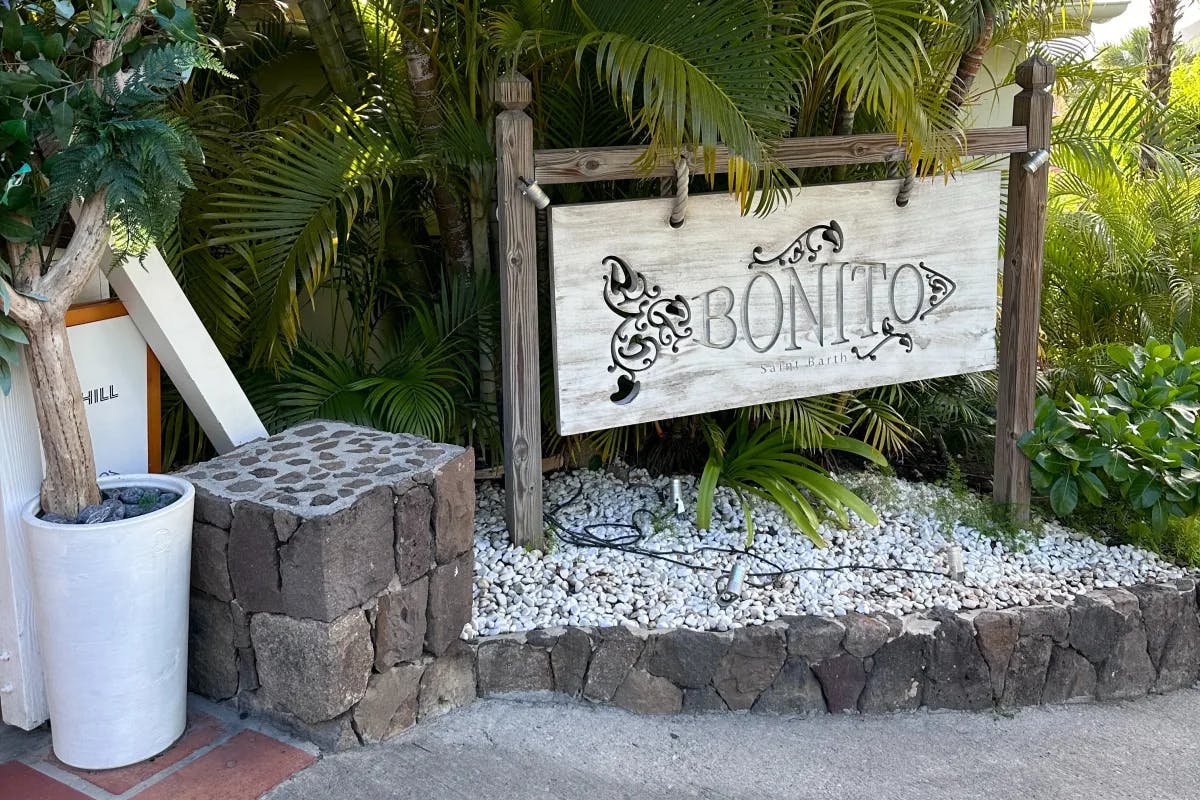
pixel 517 590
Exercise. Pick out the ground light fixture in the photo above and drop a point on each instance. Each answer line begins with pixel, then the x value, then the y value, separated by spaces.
pixel 729 587
pixel 677 498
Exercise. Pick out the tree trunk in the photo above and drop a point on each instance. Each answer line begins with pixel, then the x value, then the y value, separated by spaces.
pixel 70 482
pixel 453 226
pixel 969 64
pixel 843 125
pixel 1160 54
pixel 324 31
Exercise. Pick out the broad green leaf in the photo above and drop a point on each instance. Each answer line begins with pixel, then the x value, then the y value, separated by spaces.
pixel 1064 495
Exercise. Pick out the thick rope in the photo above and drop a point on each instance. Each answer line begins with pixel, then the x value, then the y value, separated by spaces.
pixel 683 174
pixel 910 179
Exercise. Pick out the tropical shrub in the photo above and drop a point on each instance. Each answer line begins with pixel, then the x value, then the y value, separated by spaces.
pixel 1134 445
pixel 765 462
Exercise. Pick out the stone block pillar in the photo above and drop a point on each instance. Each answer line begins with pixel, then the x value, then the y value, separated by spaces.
pixel 331 580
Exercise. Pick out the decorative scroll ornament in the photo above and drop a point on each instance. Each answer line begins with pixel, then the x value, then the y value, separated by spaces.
pixel 650 323
pixel 889 334
pixel 807 244
pixel 940 288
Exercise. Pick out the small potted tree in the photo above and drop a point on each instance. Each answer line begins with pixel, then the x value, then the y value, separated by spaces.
pixel 93 160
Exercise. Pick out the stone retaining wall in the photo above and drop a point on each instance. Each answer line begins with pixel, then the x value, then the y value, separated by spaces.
pixel 331 578
pixel 1108 644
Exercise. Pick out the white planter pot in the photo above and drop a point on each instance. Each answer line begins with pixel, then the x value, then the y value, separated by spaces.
pixel 111 606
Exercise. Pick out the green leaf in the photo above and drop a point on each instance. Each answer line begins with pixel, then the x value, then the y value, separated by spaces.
pixel 13 35
pixel 1093 488
pixel 1120 355
pixel 14 229
pixel 10 331
pixel 53 47
pixel 1064 495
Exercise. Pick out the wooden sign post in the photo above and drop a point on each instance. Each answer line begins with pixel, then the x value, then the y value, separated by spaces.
pixel 1020 314
pixel 519 374
pixel 519 165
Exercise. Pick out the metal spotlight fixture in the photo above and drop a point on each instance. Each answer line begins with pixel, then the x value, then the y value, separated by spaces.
pixel 677 497
pixel 956 569
pixel 1037 159
pixel 535 193
pixel 729 587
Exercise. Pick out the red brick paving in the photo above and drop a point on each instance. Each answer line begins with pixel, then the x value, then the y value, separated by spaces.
pixel 19 782
pixel 202 730
pixel 241 769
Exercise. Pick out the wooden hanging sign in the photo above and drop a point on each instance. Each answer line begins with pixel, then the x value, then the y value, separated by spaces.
pixel 840 289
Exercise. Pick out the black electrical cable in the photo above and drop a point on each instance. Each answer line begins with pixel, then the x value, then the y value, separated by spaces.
pixel 631 542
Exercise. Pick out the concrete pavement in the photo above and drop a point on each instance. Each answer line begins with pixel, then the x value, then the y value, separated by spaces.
pixel 1148 748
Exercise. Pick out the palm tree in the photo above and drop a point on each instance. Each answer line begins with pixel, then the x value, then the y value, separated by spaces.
pixel 1160 51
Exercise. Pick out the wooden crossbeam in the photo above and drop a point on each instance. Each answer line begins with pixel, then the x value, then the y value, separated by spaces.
pixel 582 165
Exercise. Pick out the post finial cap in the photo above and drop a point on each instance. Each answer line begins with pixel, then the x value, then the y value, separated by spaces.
pixel 1035 72
pixel 513 91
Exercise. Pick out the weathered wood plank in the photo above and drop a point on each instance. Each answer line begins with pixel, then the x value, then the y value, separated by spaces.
pixel 840 289
pixel 617 163
pixel 1024 244
pixel 520 378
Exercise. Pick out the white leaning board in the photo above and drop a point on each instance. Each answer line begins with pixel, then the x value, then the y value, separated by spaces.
pixel 840 289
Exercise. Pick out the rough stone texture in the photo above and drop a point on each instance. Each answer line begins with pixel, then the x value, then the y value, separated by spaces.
pixel 1070 676
pixel 212 509
pixel 1179 663
pixel 706 699
pixel 795 690
pixel 317 468
pixel 996 633
pixel 644 693
pixel 449 609
pixel 390 703
pixel 957 677
pixel 864 634
pixel 1128 671
pixel 843 679
pixel 1172 633
pixel 569 660
pixel 814 638
pixel 313 670
pixel 509 664
pixel 241 624
pixel 414 533
pixel 210 567
pixel 897 678
pixel 750 666
pixel 687 658
pixel 1099 620
pixel 454 498
pixel 1053 622
pixel 616 653
pixel 212 651
pixel 331 736
pixel 1026 675
pixel 448 683
pixel 247 670
pixel 254 558
pixel 400 623
pixel 338 561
